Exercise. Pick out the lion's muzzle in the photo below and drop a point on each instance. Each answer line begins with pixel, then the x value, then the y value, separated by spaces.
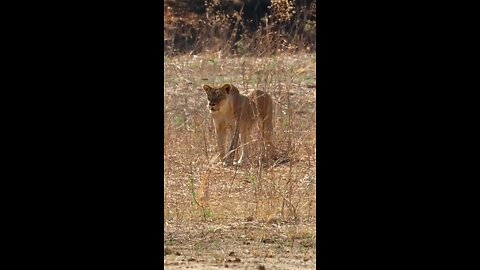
pixel 213 106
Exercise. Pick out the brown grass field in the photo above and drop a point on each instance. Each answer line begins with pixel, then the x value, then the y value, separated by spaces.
pixel 260 215
pixel 255 214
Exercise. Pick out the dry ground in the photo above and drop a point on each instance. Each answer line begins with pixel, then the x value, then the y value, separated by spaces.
pixel 254 216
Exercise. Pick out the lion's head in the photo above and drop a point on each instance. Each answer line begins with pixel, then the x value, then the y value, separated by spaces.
pixel 217 95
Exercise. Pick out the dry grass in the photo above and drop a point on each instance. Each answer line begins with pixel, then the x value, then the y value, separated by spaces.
pixel 257 210
pixel 195 189
pixel 278 196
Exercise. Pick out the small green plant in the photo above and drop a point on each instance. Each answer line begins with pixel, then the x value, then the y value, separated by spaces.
pixel 285 121
pixel 179 120
pixel 250 178
pixel 240 47
pixel 207 213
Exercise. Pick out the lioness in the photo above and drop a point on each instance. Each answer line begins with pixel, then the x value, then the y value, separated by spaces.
pixel 236 112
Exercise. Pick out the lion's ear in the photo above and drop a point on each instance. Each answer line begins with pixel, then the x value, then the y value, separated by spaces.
pixel 227 87
pixel 206 87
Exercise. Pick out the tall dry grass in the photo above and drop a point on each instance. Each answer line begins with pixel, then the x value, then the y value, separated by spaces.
pixel 197 189
pixel 276 58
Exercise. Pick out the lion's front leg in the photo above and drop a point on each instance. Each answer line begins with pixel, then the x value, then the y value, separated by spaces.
pixel 232 148
pixel 244 136
pixel 221 131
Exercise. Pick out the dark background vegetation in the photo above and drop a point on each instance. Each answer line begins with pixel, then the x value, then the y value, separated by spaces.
pixel 239 27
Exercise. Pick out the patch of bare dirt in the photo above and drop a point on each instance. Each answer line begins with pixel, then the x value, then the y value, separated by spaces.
pixel 244 244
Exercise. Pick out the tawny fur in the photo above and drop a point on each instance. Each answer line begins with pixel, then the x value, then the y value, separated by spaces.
pixel 234 112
